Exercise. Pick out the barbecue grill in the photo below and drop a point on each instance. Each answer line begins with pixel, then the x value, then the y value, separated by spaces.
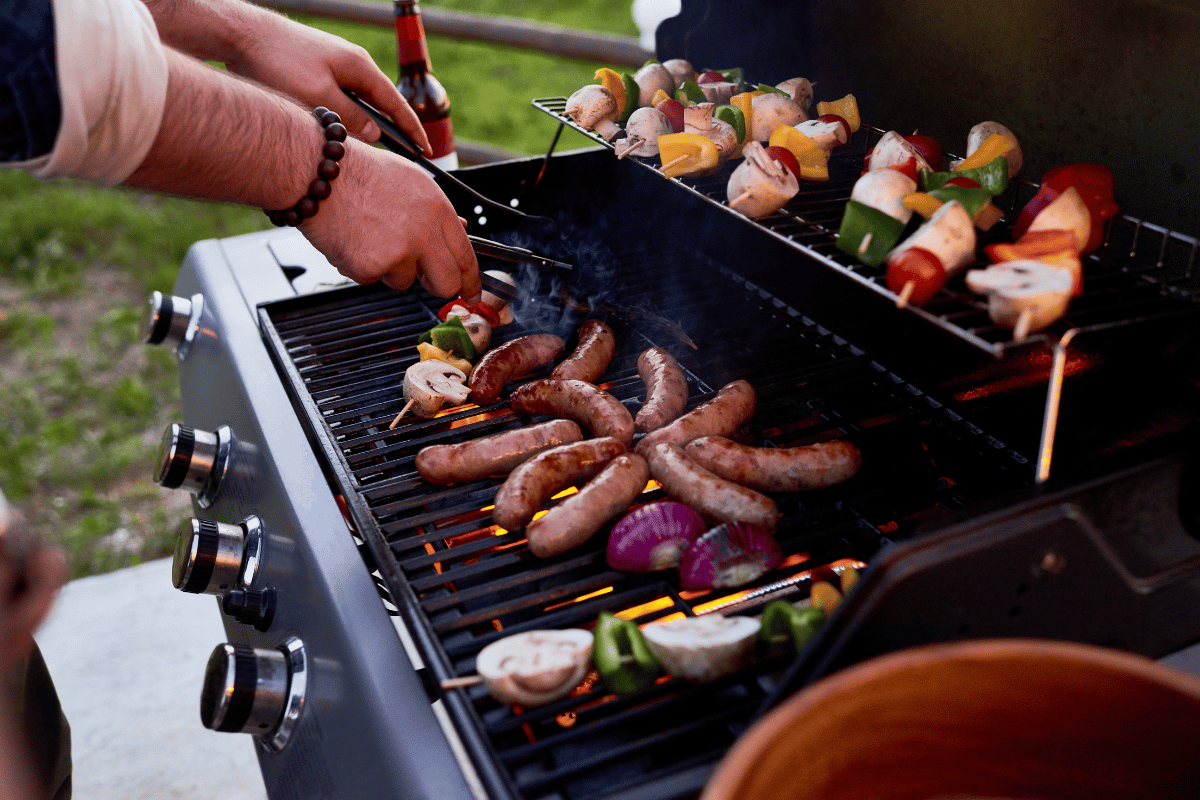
pixel 368 592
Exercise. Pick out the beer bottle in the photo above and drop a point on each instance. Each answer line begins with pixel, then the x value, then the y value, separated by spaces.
pixel 423 91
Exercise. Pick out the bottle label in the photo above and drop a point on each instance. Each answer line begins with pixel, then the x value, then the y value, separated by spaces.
pixel 410 38
pixel 441 136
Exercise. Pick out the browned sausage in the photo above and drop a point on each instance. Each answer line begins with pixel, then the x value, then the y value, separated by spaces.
pixel 777 469
pixel 594 409
pixel 714 497
pixel 595 350
pixel 493 456
pixel 577 518
pixel 666 389
pixel 729 410
pixel 549 472
pixel 510 360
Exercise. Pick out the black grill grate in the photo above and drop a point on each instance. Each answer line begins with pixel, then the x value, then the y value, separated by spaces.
pixel 1143 272
pixel 460 583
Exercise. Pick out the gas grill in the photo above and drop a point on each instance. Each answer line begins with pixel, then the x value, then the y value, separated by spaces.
pixel 356 596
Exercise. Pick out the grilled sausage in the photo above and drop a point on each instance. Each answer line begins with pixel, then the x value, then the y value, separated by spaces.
pixel 596 410
pixel 770 469
pixel 510 360
pixel 722 415
pixel 595 350
pixel 493 456
pixel 714 497
pixel 551 471
pixel 577 518
pixel 666 389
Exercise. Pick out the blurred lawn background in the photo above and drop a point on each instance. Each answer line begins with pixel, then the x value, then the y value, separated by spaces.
pixel 83 402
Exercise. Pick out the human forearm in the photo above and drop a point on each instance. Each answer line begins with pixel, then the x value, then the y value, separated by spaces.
pixel 213 30
pixel 226 139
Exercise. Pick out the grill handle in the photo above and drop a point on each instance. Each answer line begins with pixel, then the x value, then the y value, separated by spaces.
pixel 394 139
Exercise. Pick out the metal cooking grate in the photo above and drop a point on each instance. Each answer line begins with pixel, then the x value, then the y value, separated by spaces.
pixel 1143 271
pixel 461 583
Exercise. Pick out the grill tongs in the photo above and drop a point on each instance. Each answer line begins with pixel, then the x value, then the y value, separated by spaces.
pixel 399 142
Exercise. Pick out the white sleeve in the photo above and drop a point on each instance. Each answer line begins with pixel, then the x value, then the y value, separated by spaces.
pixel 112 78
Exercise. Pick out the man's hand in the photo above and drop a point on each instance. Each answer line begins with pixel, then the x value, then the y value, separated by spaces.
pixel 388 220
pixel 304 63
pixel 31 573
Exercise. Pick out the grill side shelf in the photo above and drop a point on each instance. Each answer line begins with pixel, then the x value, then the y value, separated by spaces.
pixel 1143 271
pixel 406 602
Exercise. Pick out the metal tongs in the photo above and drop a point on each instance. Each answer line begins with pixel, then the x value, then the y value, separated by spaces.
pixel 399 142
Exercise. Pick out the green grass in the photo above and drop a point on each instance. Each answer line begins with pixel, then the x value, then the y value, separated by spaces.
pixel 82 400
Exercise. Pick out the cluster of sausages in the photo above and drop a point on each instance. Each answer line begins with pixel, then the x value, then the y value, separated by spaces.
pixel 689 454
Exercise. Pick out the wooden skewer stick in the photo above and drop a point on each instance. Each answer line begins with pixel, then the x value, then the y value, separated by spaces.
pixel 866 242
pixel 634 143
pixel 403 411
pixel 741 198
pixel 462 682
pixel 1021 329
pixel 674 161
pixel 905 294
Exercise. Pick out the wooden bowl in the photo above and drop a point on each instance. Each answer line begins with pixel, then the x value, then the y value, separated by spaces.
pixel 1012 718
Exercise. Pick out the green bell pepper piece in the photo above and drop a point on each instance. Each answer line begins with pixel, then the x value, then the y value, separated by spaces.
pixel 788 628
pixel 450 336
pixel 734 116
pixel 993 177
pixel 690 92
pixel 632 90
pixel 621 655
pixel 734 75
pixel 972 199
pixel 766 87
pixel 858 221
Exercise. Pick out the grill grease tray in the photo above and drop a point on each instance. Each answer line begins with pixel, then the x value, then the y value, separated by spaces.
pixel 460 583
pixel 1143 272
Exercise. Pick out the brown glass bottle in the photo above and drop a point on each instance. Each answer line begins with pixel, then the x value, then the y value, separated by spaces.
pixel 423 91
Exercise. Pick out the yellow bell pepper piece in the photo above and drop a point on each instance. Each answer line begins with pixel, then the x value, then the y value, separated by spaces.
pixel 813 161
pixel 686 154
pixel 433 352
pixel 992 148
pixel 814 165
pixel 923 203
pixel 744 102
pixel 659 96
pixel 612 80
pixel 846 108
pixel 825 596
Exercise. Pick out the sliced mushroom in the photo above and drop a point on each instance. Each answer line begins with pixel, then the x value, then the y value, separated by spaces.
pixel 642 131
pixel 885 190
pixel 681 70
pixel 1024 296
pixel 429 385
pixel 535 667
pixel 702 649
pixel 771 110
pixel 892 151
pixel 650 79
pixel 827 135
pixel 595 109
pixel 718 92
pixel 699 119
pixel 800 90
pixel 760 185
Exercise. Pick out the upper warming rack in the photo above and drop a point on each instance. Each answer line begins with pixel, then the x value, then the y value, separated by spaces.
pixel 1142 272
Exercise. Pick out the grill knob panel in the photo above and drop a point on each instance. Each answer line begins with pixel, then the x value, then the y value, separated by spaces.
pixel 215 557
pixel 174 321
pixel 194 460
pixel 255 690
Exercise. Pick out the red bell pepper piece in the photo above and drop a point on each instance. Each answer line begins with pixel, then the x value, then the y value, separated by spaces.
pixel 482 309
pixel 1094 182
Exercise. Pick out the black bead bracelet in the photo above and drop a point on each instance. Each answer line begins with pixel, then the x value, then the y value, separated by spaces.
pixel 327 170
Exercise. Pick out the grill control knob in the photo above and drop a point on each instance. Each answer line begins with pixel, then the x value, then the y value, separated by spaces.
pixel 215 557
pixel 174 321
pixel 255 690
pixel 194 460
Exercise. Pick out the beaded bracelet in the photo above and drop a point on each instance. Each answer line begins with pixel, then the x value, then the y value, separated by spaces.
pixel 327 170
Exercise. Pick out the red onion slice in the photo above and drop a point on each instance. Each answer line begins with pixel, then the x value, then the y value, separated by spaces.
pixel 731 554
pixel 653 536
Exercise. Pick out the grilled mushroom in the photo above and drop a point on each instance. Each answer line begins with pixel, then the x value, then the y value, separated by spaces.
pixel 650 79
pixel 772 110
pixel 681 70
pixel 800 90
pixel 428 385
pixel 535 667
pixel 642 131
pixel 1025 296
pixel 979 135
pixel 477 327
pixel 892 150
pixel 595 109
pixel 702 649
pixel 760 184
pixel 699 119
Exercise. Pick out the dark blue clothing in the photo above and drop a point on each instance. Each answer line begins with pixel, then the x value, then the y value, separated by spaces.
pixel 30 109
